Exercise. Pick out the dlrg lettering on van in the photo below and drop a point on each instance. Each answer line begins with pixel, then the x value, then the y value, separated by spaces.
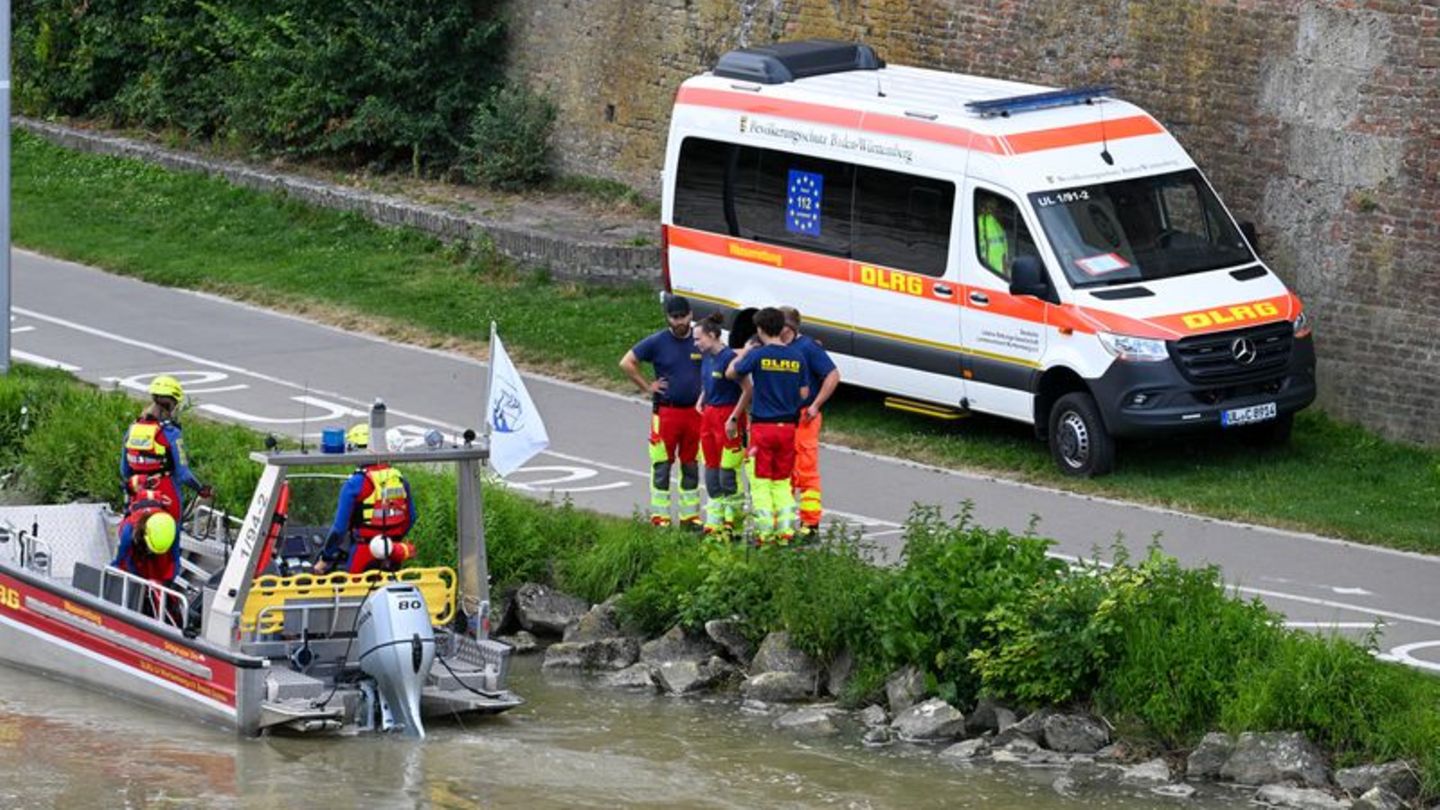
pixel 967 244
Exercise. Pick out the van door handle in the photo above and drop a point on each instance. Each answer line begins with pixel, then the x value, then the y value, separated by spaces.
pixel 980 299
pixel 943 290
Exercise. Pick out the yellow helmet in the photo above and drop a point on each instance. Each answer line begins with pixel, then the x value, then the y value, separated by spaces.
pixel 159 532
pixel 167 386
pixel 358 436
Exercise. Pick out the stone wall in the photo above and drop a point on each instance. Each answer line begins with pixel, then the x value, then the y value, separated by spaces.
pixel 1318 120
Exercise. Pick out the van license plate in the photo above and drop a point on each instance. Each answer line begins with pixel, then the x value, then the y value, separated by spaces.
pixel 1246 416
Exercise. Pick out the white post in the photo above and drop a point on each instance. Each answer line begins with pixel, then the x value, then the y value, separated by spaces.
pixel 5 184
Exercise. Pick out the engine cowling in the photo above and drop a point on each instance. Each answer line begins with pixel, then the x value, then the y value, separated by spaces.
pixel 397 648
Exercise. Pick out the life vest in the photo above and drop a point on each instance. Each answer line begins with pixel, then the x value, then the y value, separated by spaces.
pixel 154 567
pixel 146 448
pixel 386 509
pixel 152 490
pixel 994 244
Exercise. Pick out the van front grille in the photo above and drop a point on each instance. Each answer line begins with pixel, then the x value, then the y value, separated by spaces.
pixel 1236 356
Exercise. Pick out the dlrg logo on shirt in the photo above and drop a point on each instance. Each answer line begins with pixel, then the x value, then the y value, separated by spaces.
pixel 772 364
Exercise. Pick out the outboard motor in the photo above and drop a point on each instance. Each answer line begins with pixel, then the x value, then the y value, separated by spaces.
pixel 397 648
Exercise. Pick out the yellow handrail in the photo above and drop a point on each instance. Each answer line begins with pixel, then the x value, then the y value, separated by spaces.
pixel 437 585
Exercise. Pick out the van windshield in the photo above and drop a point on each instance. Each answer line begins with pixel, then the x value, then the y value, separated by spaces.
pixel 1138 230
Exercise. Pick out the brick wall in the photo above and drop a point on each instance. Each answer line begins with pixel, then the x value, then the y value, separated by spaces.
pixel 1318 120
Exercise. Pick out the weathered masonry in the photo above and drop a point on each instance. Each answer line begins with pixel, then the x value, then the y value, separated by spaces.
pixel 1319 120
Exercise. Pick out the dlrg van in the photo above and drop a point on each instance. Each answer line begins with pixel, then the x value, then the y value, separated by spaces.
pixel 970 244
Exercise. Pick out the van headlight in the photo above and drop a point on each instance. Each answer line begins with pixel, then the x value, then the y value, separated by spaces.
pixel 1302 326
pixel 1134 349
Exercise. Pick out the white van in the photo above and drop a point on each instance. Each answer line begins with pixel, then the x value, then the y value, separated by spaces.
pixel 970 244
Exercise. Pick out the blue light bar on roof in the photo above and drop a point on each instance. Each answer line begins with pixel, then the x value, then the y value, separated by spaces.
pixel 1037 101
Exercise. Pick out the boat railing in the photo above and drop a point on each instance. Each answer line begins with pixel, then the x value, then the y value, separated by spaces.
pixel 273 598
pixel 25 549
pixel 161 596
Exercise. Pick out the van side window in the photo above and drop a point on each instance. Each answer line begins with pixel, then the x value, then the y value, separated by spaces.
pixel 902 221
pixel 700 185
pixel 793 200
pixel 1000 233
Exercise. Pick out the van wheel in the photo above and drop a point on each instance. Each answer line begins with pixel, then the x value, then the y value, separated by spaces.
pixel 1079 442
pixel 1274 433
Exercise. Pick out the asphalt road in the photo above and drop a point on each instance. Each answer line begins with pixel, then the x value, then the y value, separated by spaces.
pixel 279 373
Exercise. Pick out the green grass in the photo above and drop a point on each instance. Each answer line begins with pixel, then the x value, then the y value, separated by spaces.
pixel 198 232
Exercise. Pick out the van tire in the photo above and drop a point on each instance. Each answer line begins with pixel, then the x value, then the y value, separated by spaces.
pixel 1079 442
pixel 1274 433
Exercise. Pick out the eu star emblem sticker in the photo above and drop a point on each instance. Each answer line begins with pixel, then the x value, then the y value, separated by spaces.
pixel 802 205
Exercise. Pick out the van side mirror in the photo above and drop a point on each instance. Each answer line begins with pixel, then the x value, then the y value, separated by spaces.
pixel 1027 277
pixel 1248 229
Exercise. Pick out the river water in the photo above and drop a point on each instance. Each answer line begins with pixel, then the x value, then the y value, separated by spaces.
pixel 572 745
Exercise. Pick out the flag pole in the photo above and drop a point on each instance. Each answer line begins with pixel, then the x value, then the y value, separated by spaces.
pixel 490 383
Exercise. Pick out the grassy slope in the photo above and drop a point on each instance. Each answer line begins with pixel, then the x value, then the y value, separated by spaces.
pixel 196 232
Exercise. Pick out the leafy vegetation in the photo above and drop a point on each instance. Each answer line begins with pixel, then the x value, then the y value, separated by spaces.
pixel 509 147
pixel 1158 648
pixel 366 84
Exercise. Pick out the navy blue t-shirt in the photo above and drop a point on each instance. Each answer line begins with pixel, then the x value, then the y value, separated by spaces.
pixel 718 389
pixel 777 372
pixel 817 362
pixel 677 361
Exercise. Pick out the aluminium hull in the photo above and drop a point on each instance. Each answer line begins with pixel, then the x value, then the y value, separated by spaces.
pixel 70 635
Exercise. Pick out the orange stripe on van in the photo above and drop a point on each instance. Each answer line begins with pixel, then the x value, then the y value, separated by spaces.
pixel 764 105
pixel 1081 134
pixel 799 261
pixel 876 123
pixel 1083 320
pixel 1232 316
pixel 881 124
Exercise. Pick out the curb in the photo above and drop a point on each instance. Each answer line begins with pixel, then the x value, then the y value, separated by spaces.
pixel 591 262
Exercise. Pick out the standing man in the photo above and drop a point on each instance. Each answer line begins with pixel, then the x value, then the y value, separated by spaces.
pixel 772 384
pixel 674 422
pixel 154 454
pixel 822 378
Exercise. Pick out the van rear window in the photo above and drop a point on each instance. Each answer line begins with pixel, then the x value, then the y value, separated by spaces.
pixel 832 207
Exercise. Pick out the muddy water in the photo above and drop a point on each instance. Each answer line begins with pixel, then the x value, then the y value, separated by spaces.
pixel 571 746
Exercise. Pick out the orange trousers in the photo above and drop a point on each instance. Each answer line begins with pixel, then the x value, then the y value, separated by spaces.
pixel 806 478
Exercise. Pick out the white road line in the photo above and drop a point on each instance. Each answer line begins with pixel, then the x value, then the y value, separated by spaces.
pixel 150 346
pixel 1335 625
pixel 35 359
pixel 1144 507
pixel 1310 600
pixel 15 330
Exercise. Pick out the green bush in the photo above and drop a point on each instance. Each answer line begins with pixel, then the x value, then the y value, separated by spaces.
pixel 824 597
pixel 737 581
pixel 657 600
pixel 1050 647
pixel 509 145
pixel 1342 699
pixel 933 611
pixel 1183 642
pixel 362 82
pixel 610 556
pixel 73 453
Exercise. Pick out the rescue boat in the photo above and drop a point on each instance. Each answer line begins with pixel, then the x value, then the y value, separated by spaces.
pixel 251 638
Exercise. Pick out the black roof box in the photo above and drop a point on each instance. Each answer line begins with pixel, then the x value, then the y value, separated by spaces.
pixel 787 61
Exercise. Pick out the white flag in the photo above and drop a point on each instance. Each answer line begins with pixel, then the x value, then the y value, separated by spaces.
pixel 516 431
